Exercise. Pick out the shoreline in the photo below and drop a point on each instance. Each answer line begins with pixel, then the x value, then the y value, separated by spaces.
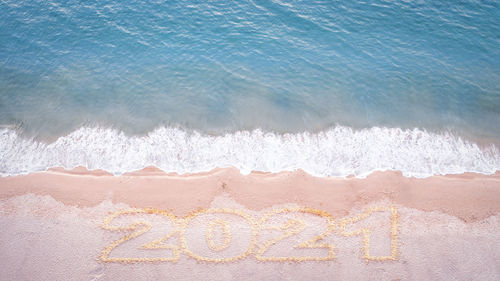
pixel 470 196
pixel 337 152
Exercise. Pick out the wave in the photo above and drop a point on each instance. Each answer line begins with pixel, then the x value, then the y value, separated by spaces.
pixel 339 151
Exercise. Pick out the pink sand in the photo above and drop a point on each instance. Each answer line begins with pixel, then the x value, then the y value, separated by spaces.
pixel 448 227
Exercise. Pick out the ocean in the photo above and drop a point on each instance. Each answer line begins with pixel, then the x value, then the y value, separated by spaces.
pixel 335 88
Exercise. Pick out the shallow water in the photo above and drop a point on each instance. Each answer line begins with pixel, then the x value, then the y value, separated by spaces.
pixel 223 67
pixel 282 66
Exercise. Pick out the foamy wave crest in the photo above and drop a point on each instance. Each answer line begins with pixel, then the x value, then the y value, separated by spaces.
pixel 339 151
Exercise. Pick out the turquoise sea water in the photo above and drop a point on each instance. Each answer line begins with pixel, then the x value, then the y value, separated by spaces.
pixel 79 72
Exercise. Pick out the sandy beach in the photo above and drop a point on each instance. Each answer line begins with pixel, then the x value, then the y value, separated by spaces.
pixel 59 223
pixel 249 140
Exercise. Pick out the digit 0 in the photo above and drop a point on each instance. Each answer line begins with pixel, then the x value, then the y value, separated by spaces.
pixel 210 222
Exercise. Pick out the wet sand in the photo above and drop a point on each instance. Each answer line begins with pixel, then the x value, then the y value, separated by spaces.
pixel 470 197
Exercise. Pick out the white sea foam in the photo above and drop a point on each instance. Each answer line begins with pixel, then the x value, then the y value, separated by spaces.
pixel 339 151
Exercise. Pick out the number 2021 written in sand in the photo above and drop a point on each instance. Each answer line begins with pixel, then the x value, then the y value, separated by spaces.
pixel 228 235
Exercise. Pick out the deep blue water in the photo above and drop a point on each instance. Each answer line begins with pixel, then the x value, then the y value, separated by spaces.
pixel 219 66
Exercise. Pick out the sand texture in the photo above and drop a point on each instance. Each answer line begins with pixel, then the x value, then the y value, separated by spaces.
pixel 221 225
